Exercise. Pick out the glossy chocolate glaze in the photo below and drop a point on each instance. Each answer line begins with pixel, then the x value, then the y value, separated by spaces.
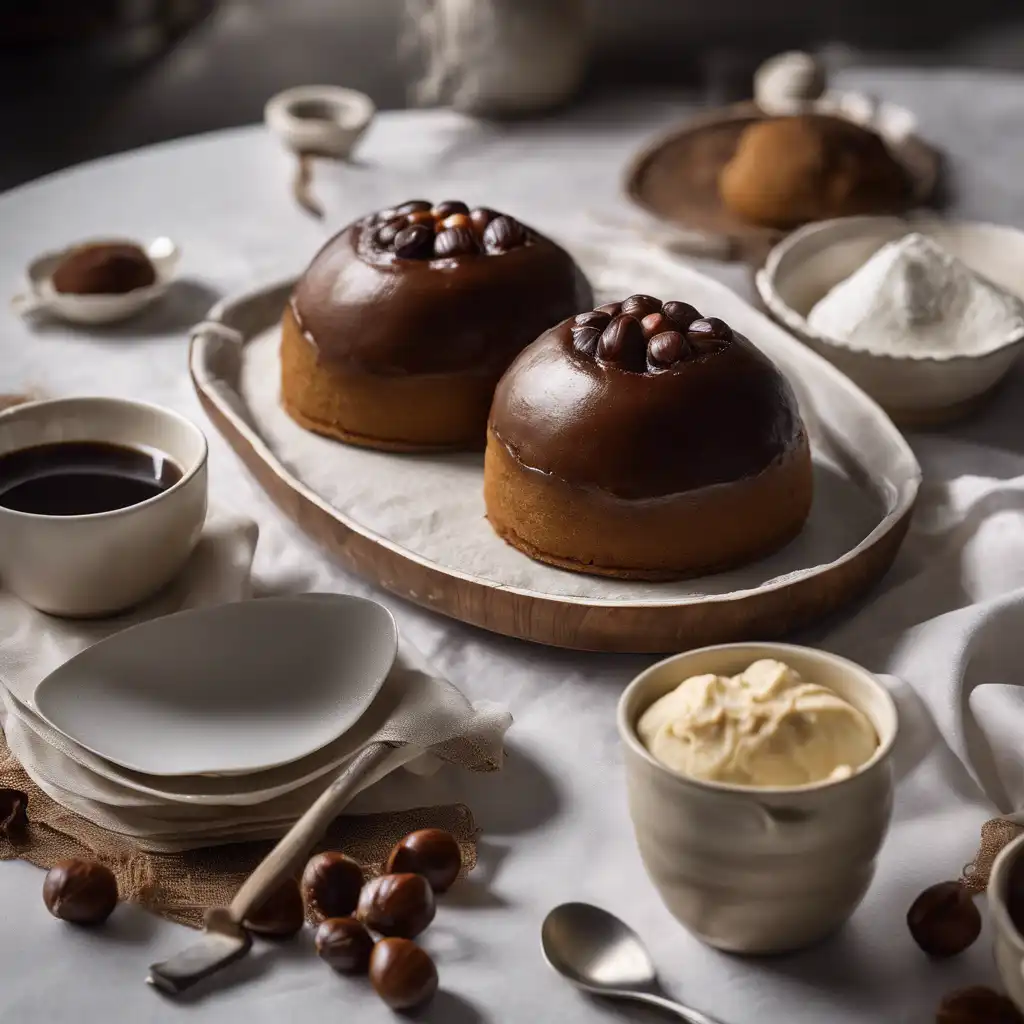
pixel 714 418
pixel 367 309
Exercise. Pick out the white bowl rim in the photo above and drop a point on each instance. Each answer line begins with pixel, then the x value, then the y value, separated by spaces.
pixel 278 109
pixel 627 730
pixel 186 476
pixel 765 282
pixel 996 902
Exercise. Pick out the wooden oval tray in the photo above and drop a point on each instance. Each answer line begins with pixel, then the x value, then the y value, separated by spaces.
pixel 415 524
pixel 675 179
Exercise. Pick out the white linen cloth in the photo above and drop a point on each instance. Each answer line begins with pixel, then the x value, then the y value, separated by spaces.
pixel 425 717
pixel 947 620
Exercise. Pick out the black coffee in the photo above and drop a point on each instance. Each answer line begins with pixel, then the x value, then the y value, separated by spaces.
pixel 78 478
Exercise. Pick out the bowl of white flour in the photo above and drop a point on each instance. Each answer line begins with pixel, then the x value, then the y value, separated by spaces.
pixel 927 316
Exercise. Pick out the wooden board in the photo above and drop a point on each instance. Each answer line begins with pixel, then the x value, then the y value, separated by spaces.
pixel 675 178
pixel 653 625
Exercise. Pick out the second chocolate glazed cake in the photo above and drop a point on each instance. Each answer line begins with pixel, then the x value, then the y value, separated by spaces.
pixel 644 441
pixel 398 331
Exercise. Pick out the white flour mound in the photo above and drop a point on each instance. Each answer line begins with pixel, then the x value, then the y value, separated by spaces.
pixel 915 298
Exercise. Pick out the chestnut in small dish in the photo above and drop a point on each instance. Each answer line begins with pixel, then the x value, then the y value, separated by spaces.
pixel 103 268
pixel 80 891
pixel 399 329
pixel 645 440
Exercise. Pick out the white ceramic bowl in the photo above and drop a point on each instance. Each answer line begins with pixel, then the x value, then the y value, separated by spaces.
pixel 1009 943
pixel 759 870
pixel 914 390
pixel 94 565
pixel 95 309
pixel 321 120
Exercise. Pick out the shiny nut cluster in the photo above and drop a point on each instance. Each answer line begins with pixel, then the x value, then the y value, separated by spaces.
pixel 643 333
pixel 368 926
pixel 418 230
pixel 363 927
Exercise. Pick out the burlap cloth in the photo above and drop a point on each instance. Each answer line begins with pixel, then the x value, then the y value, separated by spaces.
pixel 182 886
pixel 995 834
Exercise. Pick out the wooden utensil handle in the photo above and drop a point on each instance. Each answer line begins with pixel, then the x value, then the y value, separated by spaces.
pixel 294 848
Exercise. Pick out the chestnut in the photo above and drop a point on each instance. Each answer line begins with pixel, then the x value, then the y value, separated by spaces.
pixel 344 944
pixel 594 318
pixel 448 207
pixel 412 206
pixel 709 328
pixel 281 915
pixel 455 242
pixel 480 218
pixel 414 243
pixel 623 344
pixel 80 891
pixel 943 920
pixel 402 974
pixel 456 220
pixel 613 309
pixel 330 885
pixel 640 305
pixel 681 313
pixel 655 323
pixel 103 269
pixel 585 339
pixel 13 814
pixel 665 349
pixel 504 233
pixel 401 905
pixel 977 1005
pixel 430 852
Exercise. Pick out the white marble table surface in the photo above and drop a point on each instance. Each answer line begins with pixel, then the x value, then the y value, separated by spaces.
pixel 554 822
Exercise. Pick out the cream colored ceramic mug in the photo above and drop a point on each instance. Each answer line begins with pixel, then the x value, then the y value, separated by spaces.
pixel 755 870
pixel 1009 943
pixel 92 565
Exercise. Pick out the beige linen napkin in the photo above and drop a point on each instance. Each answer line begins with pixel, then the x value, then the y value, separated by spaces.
pixel 417 712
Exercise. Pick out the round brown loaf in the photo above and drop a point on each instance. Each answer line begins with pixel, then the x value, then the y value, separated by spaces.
pixel 788 171
pixel 675 452
pixel 403 323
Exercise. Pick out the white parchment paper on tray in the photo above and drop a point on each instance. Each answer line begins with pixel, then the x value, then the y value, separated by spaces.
pixel 432 505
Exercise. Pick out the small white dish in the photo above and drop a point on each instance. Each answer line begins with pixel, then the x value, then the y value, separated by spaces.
pixel 319 120
pixel 1009 942
pixel 102 563
pixel 95 309
pixel 229 690
pixel 916 390
pixel 759 870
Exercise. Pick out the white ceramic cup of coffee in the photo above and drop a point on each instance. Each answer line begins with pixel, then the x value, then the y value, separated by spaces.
pixel 102 563
pixel 1009 942
pixel 759 870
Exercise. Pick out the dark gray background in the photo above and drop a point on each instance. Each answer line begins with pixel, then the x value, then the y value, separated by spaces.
pixel 82 78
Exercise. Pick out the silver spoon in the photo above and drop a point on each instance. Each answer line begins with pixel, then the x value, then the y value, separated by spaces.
pixel 602 955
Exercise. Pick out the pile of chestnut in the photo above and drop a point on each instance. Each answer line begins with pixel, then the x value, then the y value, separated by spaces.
pixel 363 927
pixel 419 230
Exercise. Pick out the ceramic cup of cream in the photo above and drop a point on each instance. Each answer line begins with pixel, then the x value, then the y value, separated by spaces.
pixel 1006 906
pixel 101 502
pixel 760 788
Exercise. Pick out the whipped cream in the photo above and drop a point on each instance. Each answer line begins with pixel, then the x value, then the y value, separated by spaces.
pixel 765 727
pixel 913 298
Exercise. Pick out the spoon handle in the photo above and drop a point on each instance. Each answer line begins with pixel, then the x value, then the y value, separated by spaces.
pixel 682 1012
pixel 293 849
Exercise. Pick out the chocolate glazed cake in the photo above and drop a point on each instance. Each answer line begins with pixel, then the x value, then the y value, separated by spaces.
pixel 644 441
pixel 399 330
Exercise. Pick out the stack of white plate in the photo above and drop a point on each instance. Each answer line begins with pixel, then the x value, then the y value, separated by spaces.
pixel 225 723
